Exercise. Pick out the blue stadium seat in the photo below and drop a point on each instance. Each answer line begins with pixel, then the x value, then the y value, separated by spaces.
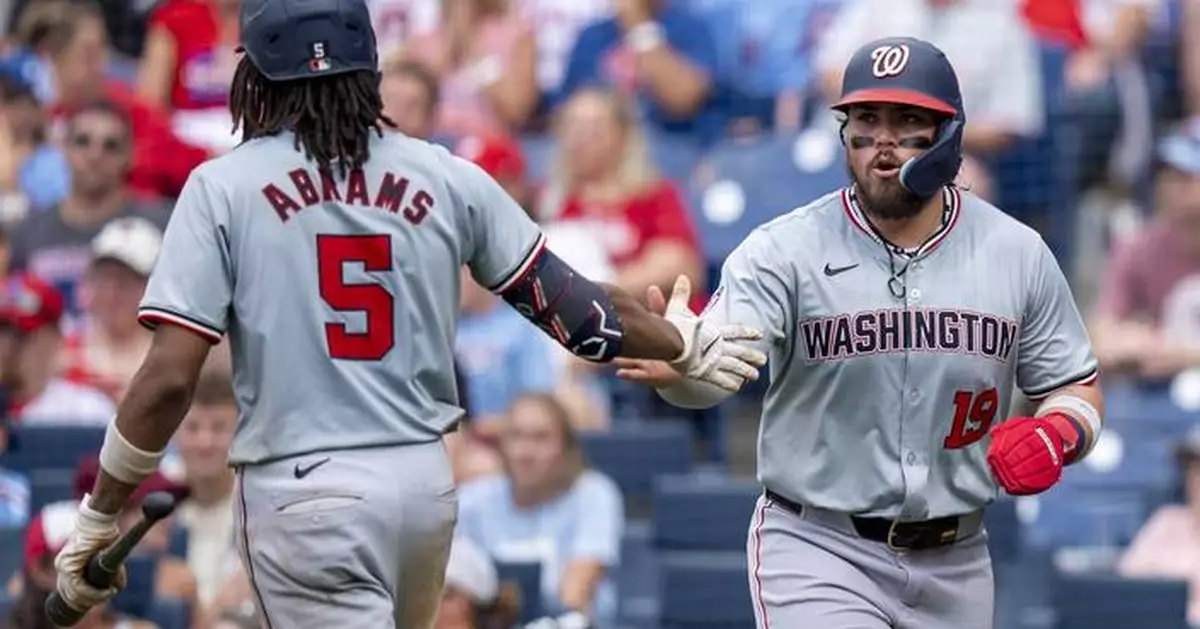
pixel 136 598
pixel 168 613
pixel 6 604
pixel 703 512
pixel 47 485
pixel 1003 530
pixel 539 150
pixel 58 447
pixel 12 551
pixel 637 577
pixel 705 590
pixel 1073 516
pixel 1125 460
pixel 178 544
pixel 755 181
pixel 1147 410
pixel 1109 602
pixel 633 454
pixel 676 157
pixel 528 577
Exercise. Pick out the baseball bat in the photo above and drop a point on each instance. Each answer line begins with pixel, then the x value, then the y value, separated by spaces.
pixel 102 569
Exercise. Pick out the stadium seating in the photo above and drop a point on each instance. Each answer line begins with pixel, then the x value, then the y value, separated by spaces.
pixel 57 447
pixel 1146 409
pixel 633 454
pixel 637 577
pixel 676 157
pixel 749 183
pixel 47 485
pixel 168 613
pixel 178 544
pixel 1107 602
pixel 12 551
pixel 703 512
pixel 137 597
pixel 528 578
pixel 6 603
pixel 1073 516
pixel 1003 530
pixel 705 591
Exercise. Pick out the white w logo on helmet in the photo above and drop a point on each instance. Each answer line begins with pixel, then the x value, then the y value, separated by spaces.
pixel 889 60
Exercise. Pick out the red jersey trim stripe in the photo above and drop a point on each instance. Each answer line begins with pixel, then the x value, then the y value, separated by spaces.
pixel 523 268
pixel 152 317
pixel 1087 379
pixel 953 201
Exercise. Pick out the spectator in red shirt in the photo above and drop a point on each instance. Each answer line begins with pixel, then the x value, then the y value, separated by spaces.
pixel 603 179
pixel 188 64
pixel 79 56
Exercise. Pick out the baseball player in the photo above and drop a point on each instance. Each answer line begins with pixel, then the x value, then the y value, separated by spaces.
pixel 328 249
pixel 898 314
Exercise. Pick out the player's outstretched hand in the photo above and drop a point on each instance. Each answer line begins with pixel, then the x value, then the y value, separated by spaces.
pixel 711 353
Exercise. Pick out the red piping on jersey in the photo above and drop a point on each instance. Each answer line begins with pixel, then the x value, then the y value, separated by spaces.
pixel 523 269
pixel 955 202
pixel 152 318
pixel 758 586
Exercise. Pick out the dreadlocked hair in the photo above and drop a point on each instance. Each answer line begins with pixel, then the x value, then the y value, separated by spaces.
pixel 332 116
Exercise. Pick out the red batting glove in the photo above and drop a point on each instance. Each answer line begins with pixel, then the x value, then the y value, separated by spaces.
pixel 1026 455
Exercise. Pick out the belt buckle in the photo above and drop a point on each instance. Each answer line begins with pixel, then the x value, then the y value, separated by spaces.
pixel 899 546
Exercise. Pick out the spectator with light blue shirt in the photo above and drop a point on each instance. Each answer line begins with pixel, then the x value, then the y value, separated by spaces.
pixel 766 71
pixel 499 354
pixel 14 486
pixel 549 508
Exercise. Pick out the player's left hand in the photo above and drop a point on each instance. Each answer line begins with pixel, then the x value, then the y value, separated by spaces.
pixel 1026 455
pixel 92 533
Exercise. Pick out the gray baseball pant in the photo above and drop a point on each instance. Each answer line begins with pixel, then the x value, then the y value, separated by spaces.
pixel 360 540
pixel 813 570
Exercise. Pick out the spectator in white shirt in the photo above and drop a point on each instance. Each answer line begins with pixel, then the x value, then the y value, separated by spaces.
pixel 991 49
pixel 36 395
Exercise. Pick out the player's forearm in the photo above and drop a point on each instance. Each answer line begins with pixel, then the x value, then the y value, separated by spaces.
pixel 149 415
pixel 646 335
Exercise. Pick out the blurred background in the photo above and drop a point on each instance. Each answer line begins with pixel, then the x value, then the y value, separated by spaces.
pixel 648 137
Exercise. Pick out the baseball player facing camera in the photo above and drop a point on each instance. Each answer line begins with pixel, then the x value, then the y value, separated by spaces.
pixel 898 315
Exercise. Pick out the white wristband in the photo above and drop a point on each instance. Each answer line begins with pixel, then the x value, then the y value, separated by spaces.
pixel 645 37
pixel 125 461
pixel 1078 408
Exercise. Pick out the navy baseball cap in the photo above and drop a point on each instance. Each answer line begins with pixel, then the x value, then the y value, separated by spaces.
pixel 901 70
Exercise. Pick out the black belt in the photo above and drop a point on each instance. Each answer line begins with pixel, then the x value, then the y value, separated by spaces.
pixel 917 535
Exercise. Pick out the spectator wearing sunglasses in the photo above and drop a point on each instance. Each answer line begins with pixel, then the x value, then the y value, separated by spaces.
pixel 56 245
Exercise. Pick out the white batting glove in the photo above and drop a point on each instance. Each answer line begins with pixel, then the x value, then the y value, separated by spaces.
pixel 92 532
pixel 709 352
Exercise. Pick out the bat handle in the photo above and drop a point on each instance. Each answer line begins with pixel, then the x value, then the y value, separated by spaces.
pixel 98 575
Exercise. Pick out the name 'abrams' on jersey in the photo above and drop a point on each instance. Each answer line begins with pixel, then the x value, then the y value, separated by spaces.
pixel 391 193
pixel 938 330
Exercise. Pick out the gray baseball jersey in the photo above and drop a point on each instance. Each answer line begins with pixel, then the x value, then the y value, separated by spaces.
pixel 340 295
pixel 879 405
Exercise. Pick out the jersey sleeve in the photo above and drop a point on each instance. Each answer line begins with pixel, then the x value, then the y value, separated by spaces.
pixel 753 291
pixel 1054 349
pixel 192 282
pixel 500 240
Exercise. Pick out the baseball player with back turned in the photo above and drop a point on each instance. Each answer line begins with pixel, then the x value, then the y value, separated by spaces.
pixel 328 248
pixel 897 314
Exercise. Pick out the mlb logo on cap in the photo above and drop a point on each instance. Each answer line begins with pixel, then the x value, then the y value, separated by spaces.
pixel 320 60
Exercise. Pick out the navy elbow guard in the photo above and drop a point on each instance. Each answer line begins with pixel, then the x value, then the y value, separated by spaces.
pixel 572 309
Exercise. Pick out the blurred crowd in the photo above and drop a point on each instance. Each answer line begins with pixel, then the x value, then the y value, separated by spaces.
pixel 1083 120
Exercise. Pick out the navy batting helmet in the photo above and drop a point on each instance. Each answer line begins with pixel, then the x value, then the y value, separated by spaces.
pixel 300 39
pixel 909 71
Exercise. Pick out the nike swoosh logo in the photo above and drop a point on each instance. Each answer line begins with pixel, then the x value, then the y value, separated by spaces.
pixel 831 271
pixel 301 472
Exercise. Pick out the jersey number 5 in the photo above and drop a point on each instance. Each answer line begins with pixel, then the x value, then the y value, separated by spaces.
pixel 973 415
pixel 375 254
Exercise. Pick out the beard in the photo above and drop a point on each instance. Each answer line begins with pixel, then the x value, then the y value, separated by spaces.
pixel 887 199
